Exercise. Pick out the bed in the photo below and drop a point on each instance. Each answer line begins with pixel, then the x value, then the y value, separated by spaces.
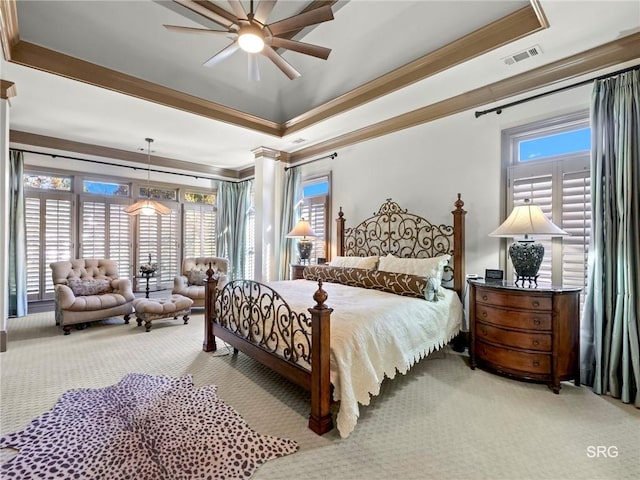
pixel 365 323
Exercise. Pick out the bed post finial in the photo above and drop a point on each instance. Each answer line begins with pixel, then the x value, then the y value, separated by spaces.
pixel 320 297
pixel 459 203
pixel 340 233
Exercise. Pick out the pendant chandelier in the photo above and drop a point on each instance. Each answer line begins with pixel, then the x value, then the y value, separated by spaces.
pixel 146 206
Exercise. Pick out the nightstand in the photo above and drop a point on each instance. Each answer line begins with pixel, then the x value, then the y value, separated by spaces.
pixel 295 271
pixel 525 333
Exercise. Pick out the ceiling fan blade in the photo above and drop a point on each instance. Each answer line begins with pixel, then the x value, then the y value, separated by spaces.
pixel 254 72
pixel 210 11
pixel 177 28
pixel 226 52
pixel 317 15
pixel 301 47
pixel 280 62
pixel 264 10
pixel 238 9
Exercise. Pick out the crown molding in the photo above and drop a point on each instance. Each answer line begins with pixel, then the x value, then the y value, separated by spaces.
pixel 9 35
pixel 62 145
pixel 512 27
pixel 619 51
pixel 7 89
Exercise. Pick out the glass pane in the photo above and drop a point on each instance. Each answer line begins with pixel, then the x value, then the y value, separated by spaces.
pixel 554 145
pixel 317 188
pixel 47 182
pixel 158 193
pixel 105 188
pixel 195 197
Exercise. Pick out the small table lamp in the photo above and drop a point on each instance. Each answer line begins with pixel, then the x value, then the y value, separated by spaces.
pixel 301 231
pixel 526 255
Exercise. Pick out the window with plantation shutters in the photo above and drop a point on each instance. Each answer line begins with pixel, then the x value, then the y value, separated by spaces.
pixel 199 230
pixel 49 236
pixel 105 231
pixel 157 242
pixel 553 172
pixel 315 209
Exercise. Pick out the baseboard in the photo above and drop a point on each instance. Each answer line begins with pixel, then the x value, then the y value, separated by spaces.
pixel 3 340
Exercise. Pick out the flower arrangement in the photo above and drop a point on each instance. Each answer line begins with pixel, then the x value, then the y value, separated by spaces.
pixel 148 268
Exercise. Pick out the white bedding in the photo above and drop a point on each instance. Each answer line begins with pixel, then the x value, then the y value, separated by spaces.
pixel 373 335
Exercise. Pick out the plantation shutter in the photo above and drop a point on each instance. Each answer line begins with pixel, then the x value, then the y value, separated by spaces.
pixel 34 254
pixel 168 254
pixel 120 238
pixel 199 230
pixel 539 191
pixel 158 237
pixel 105 232
pixel 93 231
pixel 314 209
pixel 56 240
pixel 576 220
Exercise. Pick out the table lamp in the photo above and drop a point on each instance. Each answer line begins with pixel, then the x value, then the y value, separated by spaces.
pixel 526 255
pixel 301 231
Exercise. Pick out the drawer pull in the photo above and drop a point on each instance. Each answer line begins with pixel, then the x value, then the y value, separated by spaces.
pixel 536 321
pixel 536 363
pixel 536 342
pixel 485 298
pixel 484 313
pixel 484 331
pixel 484 351
pixel 535 303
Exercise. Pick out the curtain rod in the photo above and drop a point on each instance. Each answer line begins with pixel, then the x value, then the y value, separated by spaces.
pixel 499 109
pixel 55 155
pixel 332 156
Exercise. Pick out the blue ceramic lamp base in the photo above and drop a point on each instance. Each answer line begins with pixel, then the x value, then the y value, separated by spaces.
pixel 526 257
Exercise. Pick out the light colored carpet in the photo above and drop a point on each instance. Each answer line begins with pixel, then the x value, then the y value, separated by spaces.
pixel 440 421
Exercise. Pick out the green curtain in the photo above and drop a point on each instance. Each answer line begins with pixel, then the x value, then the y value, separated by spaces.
pixel 233 205
pixel 291 196
pixel 17 238
pixel 612 351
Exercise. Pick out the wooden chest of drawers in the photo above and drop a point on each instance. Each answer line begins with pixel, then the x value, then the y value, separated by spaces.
pixel 525 333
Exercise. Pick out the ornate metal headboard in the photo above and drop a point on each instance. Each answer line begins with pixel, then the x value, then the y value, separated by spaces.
pixel 394 230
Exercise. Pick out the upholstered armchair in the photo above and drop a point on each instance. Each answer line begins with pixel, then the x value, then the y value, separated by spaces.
pixel 191 283
pixel 87 290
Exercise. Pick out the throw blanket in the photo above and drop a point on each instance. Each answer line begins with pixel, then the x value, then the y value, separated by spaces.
pixel 373 335
pixel 144 427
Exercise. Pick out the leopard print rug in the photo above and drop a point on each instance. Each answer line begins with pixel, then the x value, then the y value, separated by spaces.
pixel 144 427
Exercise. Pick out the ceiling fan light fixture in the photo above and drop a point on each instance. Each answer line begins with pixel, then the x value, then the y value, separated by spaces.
pixel 251 39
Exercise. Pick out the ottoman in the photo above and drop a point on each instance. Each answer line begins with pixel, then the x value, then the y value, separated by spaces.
pixel 150 309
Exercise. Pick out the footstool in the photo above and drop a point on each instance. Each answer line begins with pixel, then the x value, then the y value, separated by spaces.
pixel 150 309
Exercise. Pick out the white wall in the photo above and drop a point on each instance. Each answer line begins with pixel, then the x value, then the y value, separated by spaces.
pixel 424 167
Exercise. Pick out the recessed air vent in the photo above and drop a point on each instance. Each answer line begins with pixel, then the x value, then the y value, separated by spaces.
pixel 299 140
pixel 523 55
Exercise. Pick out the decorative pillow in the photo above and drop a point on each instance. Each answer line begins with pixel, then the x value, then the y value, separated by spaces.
pixel 196 277
pixel 423 267
pixel 368 263
pixel 398 283
pixel 89 287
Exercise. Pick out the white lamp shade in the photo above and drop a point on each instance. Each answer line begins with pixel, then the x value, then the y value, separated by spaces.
pixel 147 207
pixel 525 220
pixel 301 230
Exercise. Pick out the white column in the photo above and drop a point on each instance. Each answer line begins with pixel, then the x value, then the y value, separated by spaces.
pixel 267 183
pixel 7 90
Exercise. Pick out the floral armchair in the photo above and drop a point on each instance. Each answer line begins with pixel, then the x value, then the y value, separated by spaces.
pixel 191 283
pixel 87 290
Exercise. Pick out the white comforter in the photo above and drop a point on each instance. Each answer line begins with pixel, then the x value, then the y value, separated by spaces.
pixel 373 335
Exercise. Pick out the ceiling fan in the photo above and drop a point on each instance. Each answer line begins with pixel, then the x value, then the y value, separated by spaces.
pixel 251 33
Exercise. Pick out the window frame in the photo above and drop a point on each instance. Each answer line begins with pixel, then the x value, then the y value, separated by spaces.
pixel 311 179
pixel 555 167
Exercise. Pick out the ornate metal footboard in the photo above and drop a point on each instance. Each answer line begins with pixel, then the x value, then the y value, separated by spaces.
pixel 255 319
